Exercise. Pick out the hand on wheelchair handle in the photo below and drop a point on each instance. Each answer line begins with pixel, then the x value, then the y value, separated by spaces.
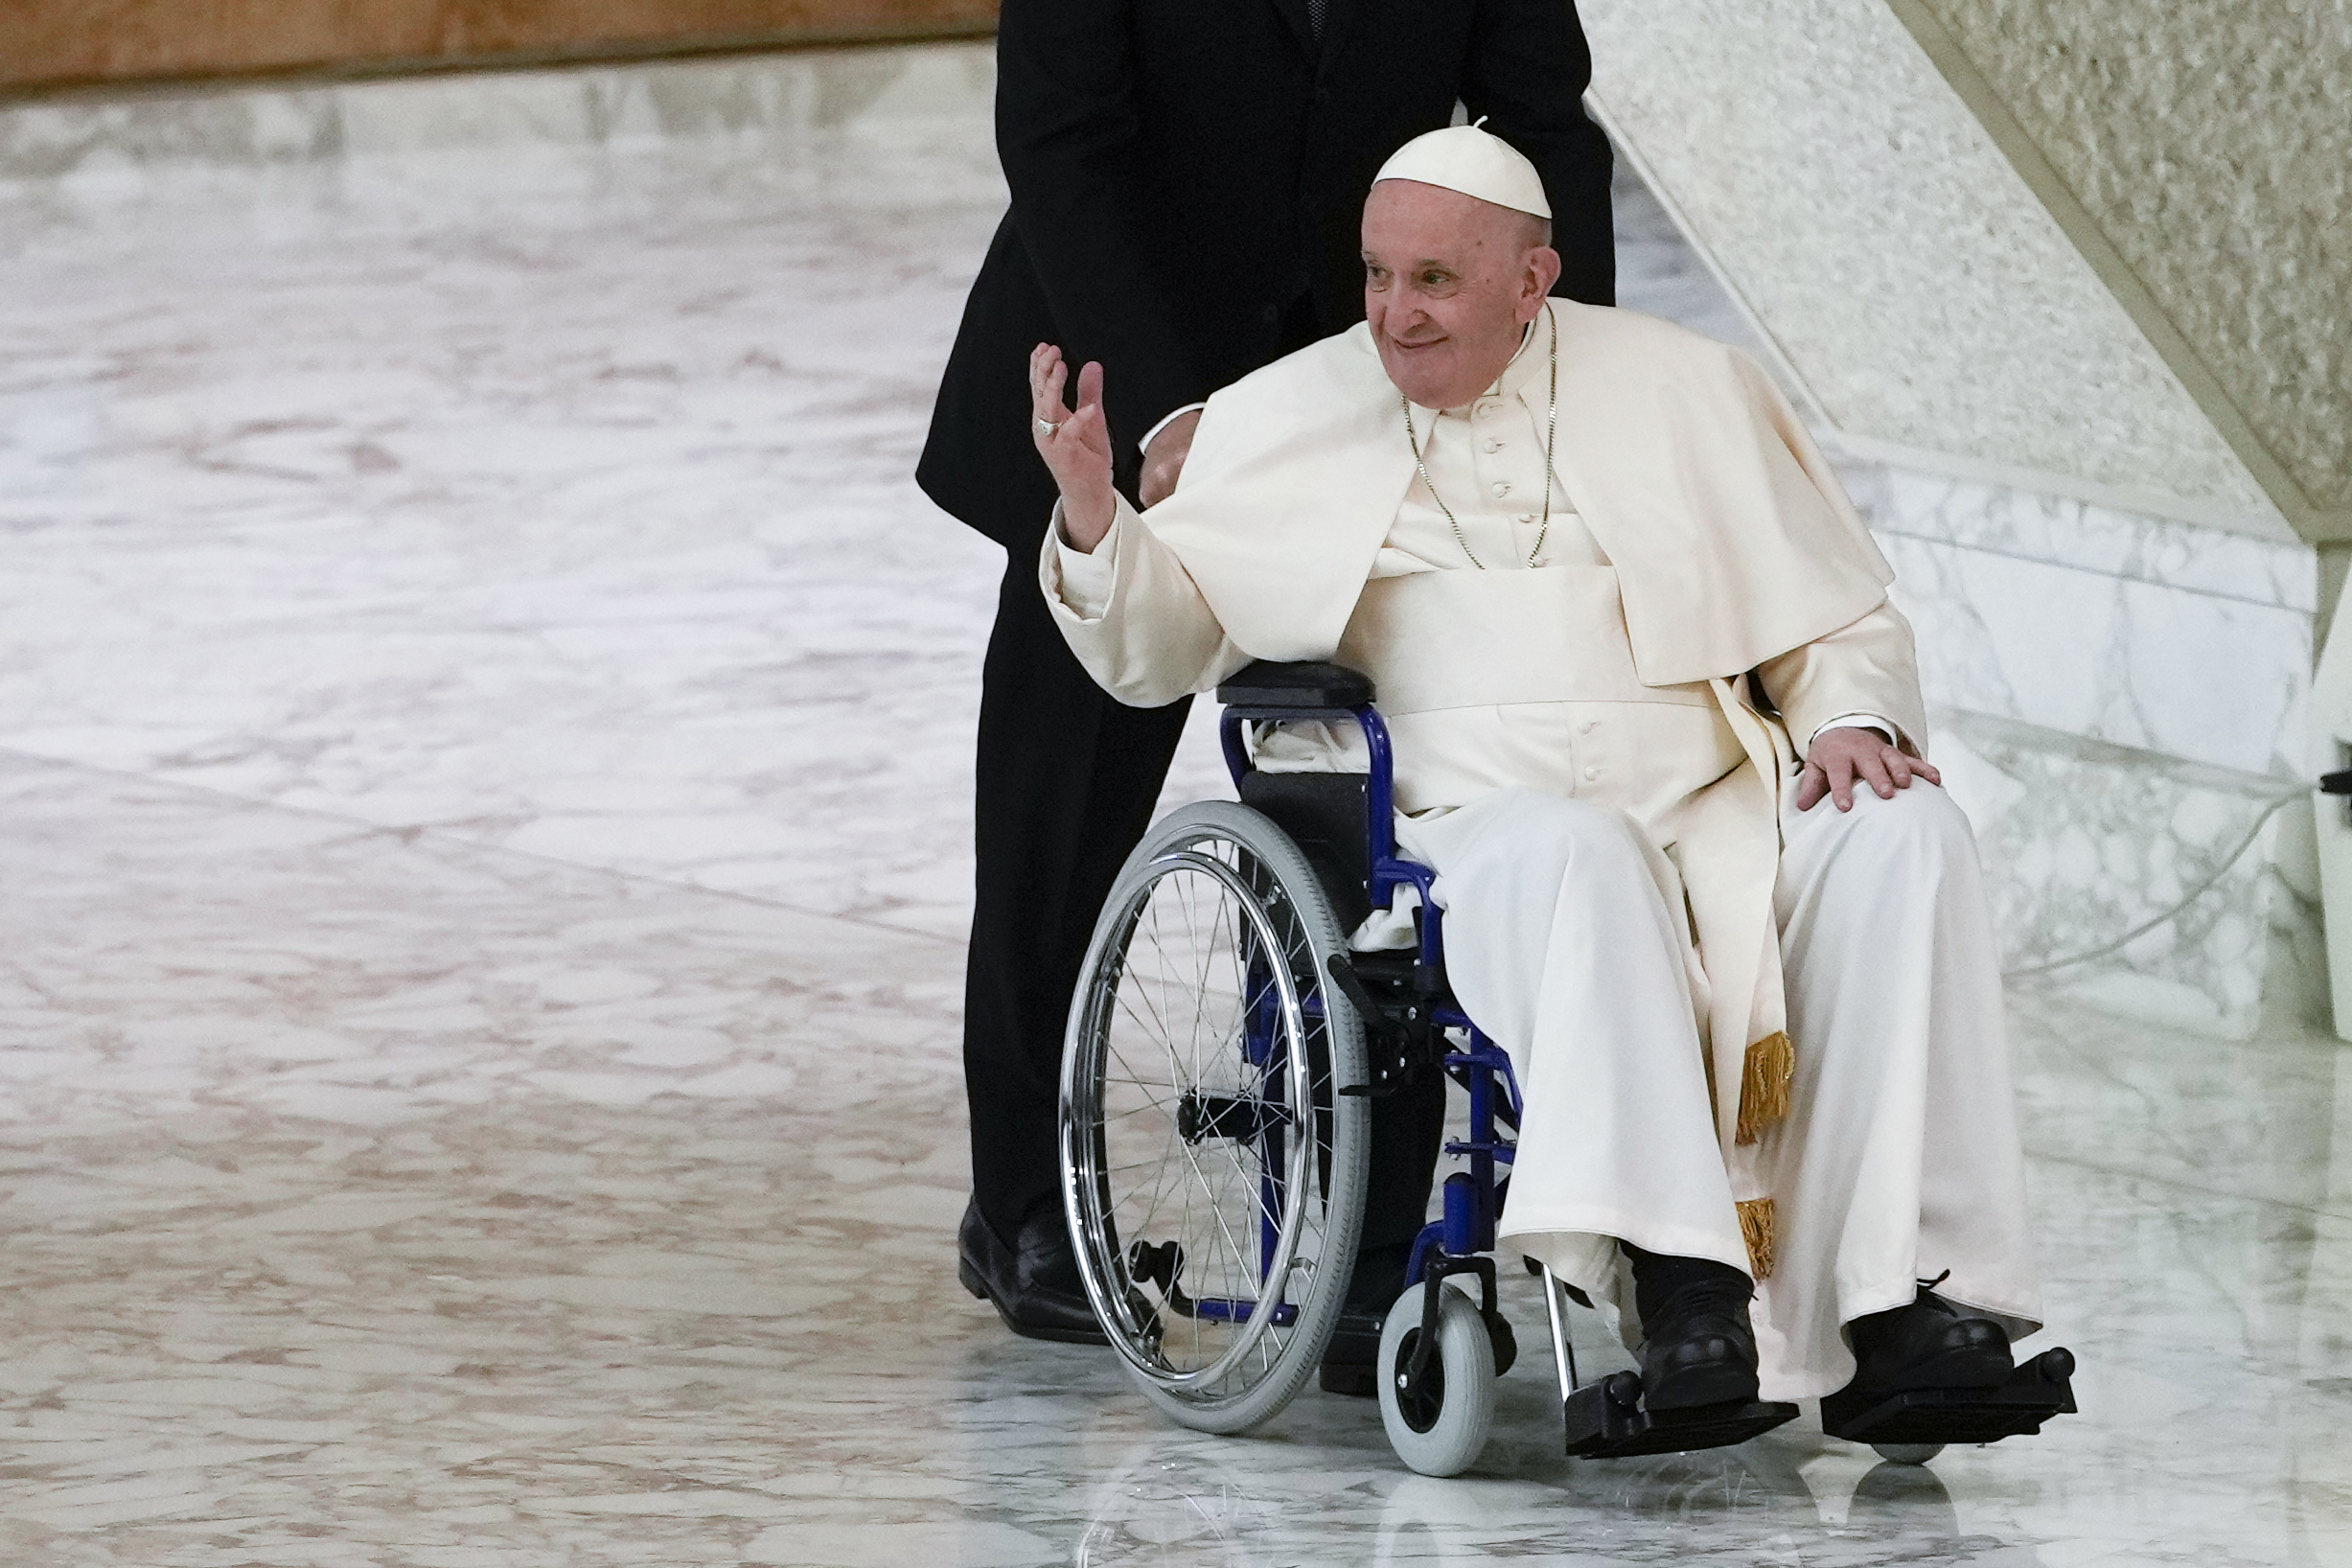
pixel 1840 758
pixel 1164 459
pixel 1077 445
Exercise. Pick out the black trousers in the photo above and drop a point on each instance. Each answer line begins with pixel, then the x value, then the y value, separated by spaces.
pixel 1066 781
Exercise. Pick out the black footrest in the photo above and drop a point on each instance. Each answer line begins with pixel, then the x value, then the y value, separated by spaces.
pixel 2037 1391
pixel 1606 1420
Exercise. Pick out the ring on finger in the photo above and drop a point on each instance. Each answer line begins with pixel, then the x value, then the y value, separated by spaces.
pixel 1049 427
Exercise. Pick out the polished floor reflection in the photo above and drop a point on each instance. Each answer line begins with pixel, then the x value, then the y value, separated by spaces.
pixel 483 731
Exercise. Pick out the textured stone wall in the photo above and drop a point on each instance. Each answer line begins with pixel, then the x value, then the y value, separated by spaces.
pixel 2210 141
pixel 1919 290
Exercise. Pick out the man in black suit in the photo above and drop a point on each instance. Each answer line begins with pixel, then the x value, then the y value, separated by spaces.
pixel 1186 181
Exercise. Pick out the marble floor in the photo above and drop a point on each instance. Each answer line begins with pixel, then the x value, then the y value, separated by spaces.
pixel 483 718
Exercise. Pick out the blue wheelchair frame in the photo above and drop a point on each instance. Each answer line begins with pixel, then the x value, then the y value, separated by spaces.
pixel 1473 1198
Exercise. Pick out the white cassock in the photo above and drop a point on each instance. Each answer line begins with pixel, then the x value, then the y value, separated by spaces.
pixel 1636 909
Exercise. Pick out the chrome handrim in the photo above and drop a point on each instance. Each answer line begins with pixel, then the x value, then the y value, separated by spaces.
pixel 1160 1035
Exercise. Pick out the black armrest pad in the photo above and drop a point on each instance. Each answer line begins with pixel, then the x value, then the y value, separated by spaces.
pixel 1269 684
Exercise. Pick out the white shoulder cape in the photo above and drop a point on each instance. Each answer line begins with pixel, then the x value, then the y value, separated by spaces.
pixel 1733 540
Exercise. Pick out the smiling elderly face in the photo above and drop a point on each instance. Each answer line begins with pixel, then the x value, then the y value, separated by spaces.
pixel 1449 283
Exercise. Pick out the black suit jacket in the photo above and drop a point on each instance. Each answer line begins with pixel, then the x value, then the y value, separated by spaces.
pixel 1188 178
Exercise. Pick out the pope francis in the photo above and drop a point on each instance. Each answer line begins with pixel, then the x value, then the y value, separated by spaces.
pixel 1602 581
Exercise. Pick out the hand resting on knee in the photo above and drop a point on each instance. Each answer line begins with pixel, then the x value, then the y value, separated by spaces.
pixel 1839 757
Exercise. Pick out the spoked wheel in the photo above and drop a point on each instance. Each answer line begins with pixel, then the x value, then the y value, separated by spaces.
pixel 1438 1422
pixel 1213 1175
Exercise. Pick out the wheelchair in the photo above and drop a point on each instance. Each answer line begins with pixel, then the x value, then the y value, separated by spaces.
pixel 1223 1055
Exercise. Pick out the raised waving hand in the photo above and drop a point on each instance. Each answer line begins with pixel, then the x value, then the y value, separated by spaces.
pixel 1076 444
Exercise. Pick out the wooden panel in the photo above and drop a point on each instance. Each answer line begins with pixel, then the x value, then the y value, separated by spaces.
pixel 58 42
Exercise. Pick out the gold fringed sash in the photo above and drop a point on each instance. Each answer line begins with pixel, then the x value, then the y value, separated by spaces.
pixel 1759 1229
pixel 1763 1085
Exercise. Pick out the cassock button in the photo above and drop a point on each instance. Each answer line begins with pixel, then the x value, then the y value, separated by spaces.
pixel 1591 774
pixel 1586 727
pixel 1486 410
pixel 1494 446
pixel 1528 518
pixel 1501 489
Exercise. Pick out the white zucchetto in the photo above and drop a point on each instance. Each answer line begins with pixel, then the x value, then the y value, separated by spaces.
pixel 1476 162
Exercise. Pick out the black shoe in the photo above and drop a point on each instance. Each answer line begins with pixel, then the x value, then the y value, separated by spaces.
pixel 1930 1344
pixel 1033 1285
pixel 1354 1348
pixel 1697 1346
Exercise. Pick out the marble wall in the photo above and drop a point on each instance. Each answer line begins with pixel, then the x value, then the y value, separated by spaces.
pixel 2150 886
pixel 2123 705
pixel 2140 689
pixel 2115 627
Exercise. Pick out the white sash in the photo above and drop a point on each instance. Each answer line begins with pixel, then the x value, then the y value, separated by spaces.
pixel 1443 639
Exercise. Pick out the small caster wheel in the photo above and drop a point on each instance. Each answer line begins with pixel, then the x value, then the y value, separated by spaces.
pixel 1906 1453
pixel 1439 1422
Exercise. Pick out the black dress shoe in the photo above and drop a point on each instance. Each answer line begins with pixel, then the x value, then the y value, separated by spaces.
pixel 1034 1283
pixel 1697 1346
pixel 1930 1344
